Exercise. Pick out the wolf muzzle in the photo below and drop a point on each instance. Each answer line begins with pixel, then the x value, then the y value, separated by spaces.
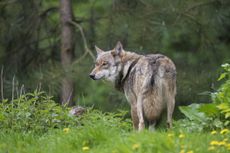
pixel 92 76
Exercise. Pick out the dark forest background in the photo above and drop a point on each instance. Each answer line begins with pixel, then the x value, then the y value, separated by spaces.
pixel 195 34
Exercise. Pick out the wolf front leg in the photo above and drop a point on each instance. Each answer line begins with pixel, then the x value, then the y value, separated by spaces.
pixel 141 124
pixel 133 103
pixel 134 116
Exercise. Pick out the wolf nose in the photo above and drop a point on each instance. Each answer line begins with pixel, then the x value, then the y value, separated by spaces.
pixel 92 76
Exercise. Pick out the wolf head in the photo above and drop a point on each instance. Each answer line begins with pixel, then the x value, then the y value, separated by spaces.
pixel 108 63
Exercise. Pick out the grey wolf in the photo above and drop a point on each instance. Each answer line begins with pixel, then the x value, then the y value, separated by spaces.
pixel 148 82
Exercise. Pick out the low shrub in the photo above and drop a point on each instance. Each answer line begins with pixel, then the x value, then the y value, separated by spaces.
pixel 34 112
pixel 215 115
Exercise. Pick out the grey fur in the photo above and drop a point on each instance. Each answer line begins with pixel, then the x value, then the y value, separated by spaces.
pixel 148 82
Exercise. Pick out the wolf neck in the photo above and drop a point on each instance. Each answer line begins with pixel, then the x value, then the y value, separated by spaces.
pixel 129 61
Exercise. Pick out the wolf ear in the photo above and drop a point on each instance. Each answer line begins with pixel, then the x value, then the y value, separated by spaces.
pixel 99 51
pixel 118 49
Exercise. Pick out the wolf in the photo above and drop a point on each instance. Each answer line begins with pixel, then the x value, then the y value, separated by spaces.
pixel 148 82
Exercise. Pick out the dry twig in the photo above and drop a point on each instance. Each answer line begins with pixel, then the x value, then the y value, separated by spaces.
pixel 87 50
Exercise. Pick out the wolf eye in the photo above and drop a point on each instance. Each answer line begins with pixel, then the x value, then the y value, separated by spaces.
pixel 104 63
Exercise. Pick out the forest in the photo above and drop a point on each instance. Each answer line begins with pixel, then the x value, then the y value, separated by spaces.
pixel 47 51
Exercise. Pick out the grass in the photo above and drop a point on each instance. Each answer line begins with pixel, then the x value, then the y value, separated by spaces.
pixel 111 133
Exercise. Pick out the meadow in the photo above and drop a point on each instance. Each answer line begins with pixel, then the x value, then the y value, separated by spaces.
pixel 47 50
pixel 34 122
pixel 111 133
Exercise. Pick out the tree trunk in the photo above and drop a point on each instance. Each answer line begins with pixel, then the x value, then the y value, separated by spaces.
pixel 67 50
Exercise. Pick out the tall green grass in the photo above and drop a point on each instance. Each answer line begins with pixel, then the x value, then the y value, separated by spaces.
pixel 112 133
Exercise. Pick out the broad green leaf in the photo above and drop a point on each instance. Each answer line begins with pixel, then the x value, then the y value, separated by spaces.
pixel 209 109
pixel 192 112
pixel 226 123
pixel 222 76
pixel 222 106
pixel 226 110
pixel 227 115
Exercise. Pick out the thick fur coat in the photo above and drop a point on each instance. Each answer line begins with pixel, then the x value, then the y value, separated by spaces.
pixel 148 82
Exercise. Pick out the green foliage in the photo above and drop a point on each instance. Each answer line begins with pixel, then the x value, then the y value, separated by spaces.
pixel 192 112
pixel 214 115
pixel 209 109
pixel 34 120
pixel 94 118
pixel 222 97
pixel 193 33
pixel 104 133
pixel 198 119
pixel 225 111
pixel 34 112
pixel 223 94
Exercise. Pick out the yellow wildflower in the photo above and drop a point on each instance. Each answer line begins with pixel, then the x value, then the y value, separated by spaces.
pixel 170 135
pixel 213 132
pixel 225 140
pixel 190 151
pixel 181 136
pixel 218 143
pixel 66 130
pixel 224 131
pixel 182 151
pixel 214 143
pixel 211 148
pixel 85 148
pixel 136 146
pixel 222 143
pixel 228 146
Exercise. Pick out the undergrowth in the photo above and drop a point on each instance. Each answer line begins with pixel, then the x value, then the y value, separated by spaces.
pixel 33 122
pixel 34 112
pixel 112 133
pixel 215 115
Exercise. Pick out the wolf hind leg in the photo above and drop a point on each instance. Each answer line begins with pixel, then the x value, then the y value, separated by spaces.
pixel 170 108
pixel 141 124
